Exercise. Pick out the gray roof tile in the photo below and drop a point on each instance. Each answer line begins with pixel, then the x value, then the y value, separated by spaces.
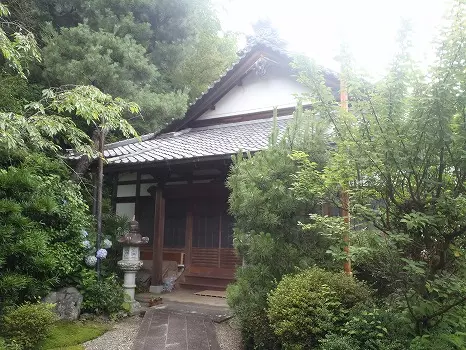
pixel 224 139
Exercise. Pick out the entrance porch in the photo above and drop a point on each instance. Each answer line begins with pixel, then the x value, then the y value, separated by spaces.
pixel 184 212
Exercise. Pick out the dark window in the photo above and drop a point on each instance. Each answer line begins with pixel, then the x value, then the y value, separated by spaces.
pixel 205 231
pixel 227 231
pixel 212 226
pixel 145 216
pixel 175 223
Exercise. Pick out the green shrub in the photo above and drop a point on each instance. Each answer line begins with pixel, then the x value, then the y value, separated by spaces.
pixel 338 342
pixel 375 329
pixel 28 324
pixel 248 299
pixel 42 214
pixel 306 306
pixel 101 297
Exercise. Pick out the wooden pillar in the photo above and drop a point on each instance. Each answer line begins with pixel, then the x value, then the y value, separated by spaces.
pixel 157 241
pixel 189 235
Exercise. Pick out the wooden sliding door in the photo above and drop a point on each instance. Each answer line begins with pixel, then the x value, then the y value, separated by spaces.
pixel 212 235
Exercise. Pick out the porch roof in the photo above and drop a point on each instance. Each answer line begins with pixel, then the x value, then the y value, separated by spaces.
pixel 193 143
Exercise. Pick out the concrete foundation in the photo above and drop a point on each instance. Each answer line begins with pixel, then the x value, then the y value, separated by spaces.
pixel 156 289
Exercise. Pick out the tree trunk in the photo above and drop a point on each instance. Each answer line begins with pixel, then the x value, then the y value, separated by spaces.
pixel 83 163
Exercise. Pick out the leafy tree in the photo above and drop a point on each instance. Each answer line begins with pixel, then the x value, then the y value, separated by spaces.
pixel 400 154
pixel 157 53
pixel 16 92
pixel 264 31
pixel 118 66
pixel 202 61
pixel 20 47
pixel 267 214
pixel 42 213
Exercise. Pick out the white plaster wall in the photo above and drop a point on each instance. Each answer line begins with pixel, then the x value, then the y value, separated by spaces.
pixel 125 209
pixel 127 177
pixel 126 190
pixel 257 94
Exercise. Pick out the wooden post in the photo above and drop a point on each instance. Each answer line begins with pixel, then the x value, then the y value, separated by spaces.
pixel 100 180
pixel 157 242
pixel 189 235
pixel 344 194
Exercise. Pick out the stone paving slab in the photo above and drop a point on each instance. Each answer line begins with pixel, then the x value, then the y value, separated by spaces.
pixel 177 326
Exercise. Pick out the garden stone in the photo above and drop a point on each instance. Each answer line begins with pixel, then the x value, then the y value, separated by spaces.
pixel 68 303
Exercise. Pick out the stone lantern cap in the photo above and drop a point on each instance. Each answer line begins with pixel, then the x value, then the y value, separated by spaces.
pixel 133 237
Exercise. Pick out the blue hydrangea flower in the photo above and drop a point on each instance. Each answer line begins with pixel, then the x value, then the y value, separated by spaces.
pixel 84 233
pixel 87 244
pixel 107 243
pixel 91 260
pixel 101 253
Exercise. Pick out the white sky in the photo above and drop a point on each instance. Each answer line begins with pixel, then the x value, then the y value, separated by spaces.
pixel 317 27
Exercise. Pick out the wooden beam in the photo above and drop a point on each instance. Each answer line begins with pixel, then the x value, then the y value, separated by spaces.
pixel 157 242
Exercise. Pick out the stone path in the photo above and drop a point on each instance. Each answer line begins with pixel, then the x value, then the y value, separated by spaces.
pixel 179 326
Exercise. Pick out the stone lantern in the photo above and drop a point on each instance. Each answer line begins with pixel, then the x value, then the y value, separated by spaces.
pixel 131 263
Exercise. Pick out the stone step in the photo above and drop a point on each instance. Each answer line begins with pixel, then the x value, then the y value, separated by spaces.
pixel 179 326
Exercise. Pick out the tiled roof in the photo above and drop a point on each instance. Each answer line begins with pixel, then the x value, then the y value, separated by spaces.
pixel 216 140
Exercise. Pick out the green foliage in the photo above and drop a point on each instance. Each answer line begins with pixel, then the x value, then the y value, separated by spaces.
pixel 203 61
pixel 307 306
pixel 248 298
pixel 42 214
pixel 113 227
pixel 15 92
pixel 18 48
pixel 373 328
pixel 46 123
pixel 338 342
pixel 437 341
pixel 27 325
pixel 268 212
pixel 154 53
pixel 66 334
pixel 101 297
pixel 399 154
pixel 117 65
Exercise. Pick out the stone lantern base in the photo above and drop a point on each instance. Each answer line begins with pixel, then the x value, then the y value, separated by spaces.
pixel 130 267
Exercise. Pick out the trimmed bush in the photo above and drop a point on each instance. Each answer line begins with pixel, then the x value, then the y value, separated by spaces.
pixel 28 325
pixel 307 306
pixel 104 297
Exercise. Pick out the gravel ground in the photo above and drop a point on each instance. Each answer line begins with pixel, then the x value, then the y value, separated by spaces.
pixel 120 337
pixel 228 335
